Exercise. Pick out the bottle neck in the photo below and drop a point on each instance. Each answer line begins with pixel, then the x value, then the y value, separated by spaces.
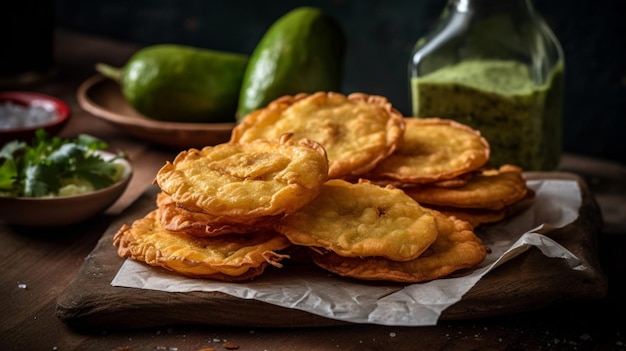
pixel 492 6
pixel 509 30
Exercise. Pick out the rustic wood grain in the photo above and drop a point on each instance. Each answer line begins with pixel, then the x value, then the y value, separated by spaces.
pixel 527 282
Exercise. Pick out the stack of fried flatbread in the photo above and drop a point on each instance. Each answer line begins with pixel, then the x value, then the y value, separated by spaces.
pixel 368 193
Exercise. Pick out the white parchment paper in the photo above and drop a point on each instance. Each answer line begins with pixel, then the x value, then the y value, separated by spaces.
pixel 315 291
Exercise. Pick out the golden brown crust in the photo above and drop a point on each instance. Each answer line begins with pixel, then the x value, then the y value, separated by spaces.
pixel 474 216
pixel 226 257
pixel 491 189
pixel 357 131
pixel 456 248
pixel 179 219
pixel 256 179
pixel 362 220
pixel 431 150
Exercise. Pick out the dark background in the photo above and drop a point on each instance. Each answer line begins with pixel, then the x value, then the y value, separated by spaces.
pixel 380 36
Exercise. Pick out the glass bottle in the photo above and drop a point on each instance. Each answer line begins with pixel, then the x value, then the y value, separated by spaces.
pixel 496 66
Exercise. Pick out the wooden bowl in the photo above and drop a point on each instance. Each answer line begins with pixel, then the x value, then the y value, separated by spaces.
pixel 103 98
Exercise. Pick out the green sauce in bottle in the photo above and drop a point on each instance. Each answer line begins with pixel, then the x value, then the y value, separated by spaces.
pixel 495 66
pixel 520 119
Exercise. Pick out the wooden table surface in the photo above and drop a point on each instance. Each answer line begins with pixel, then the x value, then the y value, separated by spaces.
pixel 37 266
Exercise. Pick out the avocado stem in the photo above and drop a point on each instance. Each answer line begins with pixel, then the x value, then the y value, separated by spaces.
pixel 109 71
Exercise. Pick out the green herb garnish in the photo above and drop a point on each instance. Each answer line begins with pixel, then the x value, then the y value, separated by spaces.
pixel 50 163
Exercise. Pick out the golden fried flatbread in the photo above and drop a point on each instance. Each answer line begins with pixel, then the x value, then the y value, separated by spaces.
pixel 457 181
pixel 357 130
pixel 492 189
pixel 474 216
pixel 226 257
pixel 256 179
pixel 456 248
pixel 178 219
pixel 362 219
pixel 431 150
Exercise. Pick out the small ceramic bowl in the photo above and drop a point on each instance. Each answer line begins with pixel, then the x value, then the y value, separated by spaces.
pixel 64 210
pixel 42 111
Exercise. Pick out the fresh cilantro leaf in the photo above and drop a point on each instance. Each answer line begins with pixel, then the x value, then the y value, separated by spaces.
pixel 40 180
pixel 95 170
pixel 11 148
pixel 42 168
pixel 67 154
pixel 8 175
pixel 91 142
pixel 9 167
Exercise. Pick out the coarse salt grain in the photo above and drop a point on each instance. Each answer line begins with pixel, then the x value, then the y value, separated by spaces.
pixel 14 116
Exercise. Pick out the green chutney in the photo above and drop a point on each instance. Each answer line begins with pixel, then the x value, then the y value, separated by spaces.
pixel 520 119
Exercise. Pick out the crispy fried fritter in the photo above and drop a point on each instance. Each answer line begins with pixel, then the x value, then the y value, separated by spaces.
pixel 357 130
pixel 491 189
pixel 241 181
pixel 362 219
pixel 474 216
pixel 431 150
pixel 178 219
pixel 456 248
pixel 226 257
pixel 455 182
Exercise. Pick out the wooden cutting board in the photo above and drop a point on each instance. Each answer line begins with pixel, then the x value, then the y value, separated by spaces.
pixel 529 281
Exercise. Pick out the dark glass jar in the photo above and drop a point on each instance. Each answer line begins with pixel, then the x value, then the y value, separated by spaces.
pixel 496 66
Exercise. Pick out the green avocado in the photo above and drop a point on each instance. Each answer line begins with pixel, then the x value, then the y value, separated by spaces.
pixel 179 83
pixel 302 52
